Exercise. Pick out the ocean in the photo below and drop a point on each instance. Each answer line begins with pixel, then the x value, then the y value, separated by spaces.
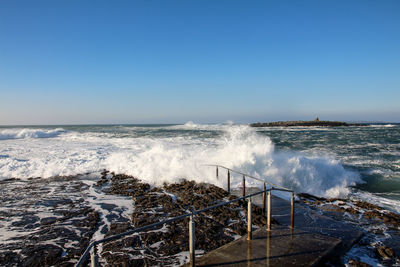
pixel 345 162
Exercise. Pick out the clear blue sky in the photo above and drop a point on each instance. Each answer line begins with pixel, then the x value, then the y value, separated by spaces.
pixel 205 61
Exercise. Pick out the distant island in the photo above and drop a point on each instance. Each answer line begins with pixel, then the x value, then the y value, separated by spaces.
pixel 315 122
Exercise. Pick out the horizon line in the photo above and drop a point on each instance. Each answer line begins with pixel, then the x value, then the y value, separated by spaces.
pixel 116 124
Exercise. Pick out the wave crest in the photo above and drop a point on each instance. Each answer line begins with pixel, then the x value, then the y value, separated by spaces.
pixel 242 149
pixel 168 159
pixel 29 133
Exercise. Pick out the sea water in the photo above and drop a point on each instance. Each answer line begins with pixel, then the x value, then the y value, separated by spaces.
pixel 346 162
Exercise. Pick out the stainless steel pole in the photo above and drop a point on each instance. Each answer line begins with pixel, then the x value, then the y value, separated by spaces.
pixel 249 221
pixel 244 186
pixel 229 182
pixel 93 257
pixel 292 211
pixel 192 241
pixel 269 211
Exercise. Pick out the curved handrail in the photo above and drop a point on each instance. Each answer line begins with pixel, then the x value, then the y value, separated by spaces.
pixel 93 244
pixel 140 229
pixel 252 177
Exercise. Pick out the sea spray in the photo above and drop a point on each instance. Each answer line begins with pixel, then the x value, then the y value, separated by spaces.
pixel 168 154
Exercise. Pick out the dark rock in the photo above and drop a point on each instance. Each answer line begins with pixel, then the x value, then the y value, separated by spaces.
pixel 304 123
pixel 42 255
pixel 239 229
pixel 48 220
pixel 26 220
pixel 351 211
pixel 354 263
pixel 117 228
pixel 9 258
pixel 90 221
pixel 108 206
pixel 213 228
pixel 366 205
pixel 372 214
pixel 310 197
pixel 385 252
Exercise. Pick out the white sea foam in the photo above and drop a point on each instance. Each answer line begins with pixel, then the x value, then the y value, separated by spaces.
pixel 29 133
pixel 97 199
pixel 190 124
pixel 362 254
pixel 383 202
pixel 167 159
pixel 382 125
pixel 194 126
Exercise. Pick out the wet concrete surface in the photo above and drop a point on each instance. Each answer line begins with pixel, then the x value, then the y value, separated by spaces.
pixel 280 247
pixel 309 220
pixel 315 239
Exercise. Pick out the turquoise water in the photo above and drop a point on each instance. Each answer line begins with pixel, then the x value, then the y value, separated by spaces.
pixel 372 151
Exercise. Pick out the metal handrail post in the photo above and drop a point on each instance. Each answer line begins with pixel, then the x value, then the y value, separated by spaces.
pixel 192 241
pixel 269 211
pixel 249 176
pixel 229 181
pixel 244 186
pixel 264 196
pixel 292 211
pixel 93 257
pixel 249 221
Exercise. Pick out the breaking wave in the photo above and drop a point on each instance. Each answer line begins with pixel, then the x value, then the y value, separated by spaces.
pixel 29 133
pixel 167 159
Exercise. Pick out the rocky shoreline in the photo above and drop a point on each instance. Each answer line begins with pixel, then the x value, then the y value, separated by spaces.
pixel 47 222
pixel 43 226
pixel 381 241
pixel 304 124
pixel 54 220
pixel 164 246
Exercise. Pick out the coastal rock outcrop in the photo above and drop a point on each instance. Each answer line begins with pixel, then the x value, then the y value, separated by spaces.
pixel 164 244
pixel 304 124
pixel 382 227
pixel 53 225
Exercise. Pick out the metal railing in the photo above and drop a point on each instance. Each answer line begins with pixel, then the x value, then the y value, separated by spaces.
pixel 91 249
pixel 229 171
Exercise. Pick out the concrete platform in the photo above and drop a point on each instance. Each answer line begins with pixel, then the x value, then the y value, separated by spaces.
pixel 315 239
pixel 309 220
pixel 280 247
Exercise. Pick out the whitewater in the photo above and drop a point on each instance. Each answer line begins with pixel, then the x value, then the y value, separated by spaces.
pixel 359 162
